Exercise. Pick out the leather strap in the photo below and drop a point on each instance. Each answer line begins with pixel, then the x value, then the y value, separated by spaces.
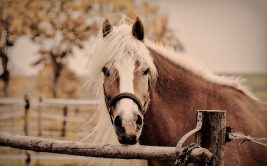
pixel 126 95
pixel 111 102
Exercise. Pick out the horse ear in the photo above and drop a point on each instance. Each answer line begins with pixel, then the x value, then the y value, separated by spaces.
pixel 138 29
pixel 107 27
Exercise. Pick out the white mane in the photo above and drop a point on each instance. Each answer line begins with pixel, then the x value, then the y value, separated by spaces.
pixel 116 45
pixel 198 69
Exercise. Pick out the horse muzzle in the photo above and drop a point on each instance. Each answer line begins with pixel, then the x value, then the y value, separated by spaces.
pixel 128 130
pixel 129 140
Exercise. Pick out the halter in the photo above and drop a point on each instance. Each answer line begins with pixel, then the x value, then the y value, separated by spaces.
pixel 125 95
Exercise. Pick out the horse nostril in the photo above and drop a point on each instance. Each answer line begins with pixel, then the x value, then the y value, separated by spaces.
pixel 117 122
pixel 139 120
pixel 128 140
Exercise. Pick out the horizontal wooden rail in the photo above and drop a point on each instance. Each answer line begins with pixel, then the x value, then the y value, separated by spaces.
pixel 34 114
pixel 105 151
pixel 49 102
pixel 82 149
pixel 13 101
pixel 11 115
pixel 60 117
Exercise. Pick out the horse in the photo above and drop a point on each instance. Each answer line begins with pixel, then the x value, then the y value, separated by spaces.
pixel 149 93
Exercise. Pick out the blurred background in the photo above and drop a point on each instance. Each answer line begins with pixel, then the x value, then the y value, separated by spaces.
pixel 43 56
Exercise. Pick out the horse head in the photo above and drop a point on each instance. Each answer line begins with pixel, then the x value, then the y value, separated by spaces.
pixel 126 78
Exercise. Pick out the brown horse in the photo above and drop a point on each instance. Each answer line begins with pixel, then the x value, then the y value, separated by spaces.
pixel 151 94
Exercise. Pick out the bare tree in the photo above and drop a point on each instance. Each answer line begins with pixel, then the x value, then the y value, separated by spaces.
pixel 60 26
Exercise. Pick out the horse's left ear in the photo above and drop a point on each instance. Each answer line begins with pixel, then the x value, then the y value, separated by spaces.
pixel 107 27
pixel 138 29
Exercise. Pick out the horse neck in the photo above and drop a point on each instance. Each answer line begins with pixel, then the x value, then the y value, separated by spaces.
pixel 176 95
pixel 174 88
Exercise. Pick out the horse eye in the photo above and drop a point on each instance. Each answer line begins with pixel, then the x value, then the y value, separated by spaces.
pixel 105 71
pixel 146 71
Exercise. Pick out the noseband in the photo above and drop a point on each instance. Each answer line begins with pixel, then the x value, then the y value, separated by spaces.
pixel 125 95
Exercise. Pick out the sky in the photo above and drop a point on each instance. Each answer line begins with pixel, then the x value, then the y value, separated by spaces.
pixel 227 36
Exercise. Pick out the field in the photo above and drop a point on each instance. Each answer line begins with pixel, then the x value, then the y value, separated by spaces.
pixel 258 84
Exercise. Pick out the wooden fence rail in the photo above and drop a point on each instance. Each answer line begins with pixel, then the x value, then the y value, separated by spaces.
pixel 38 144
pixel 50 102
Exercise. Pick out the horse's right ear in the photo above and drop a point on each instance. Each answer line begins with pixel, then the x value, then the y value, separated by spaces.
pixel 107 27
pixel 138 29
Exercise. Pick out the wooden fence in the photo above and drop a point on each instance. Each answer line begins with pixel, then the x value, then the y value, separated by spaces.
pixel 40 114
pixel 210 139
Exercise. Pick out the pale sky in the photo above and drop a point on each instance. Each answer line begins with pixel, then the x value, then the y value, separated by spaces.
pixel 228 36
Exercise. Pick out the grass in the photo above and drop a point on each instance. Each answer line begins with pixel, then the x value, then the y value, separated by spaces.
pixel 258 85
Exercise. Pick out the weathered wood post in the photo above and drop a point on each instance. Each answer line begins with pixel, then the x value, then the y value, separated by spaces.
pixel 64 123
pixel 26 114
pixel 77 110
pixel 40 117
pixel 26 125
pixel 212 135
pixel 40 100
pixel 13 119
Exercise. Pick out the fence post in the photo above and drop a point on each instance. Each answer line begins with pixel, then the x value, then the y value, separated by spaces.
pixel 64 124
pixel 39 124
pixel 212 135
pixel 26 125
pixel 26 114
pixel 40 117
pixel 13 119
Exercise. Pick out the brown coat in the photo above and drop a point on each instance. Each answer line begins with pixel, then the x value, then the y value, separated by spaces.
pixel 178 93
